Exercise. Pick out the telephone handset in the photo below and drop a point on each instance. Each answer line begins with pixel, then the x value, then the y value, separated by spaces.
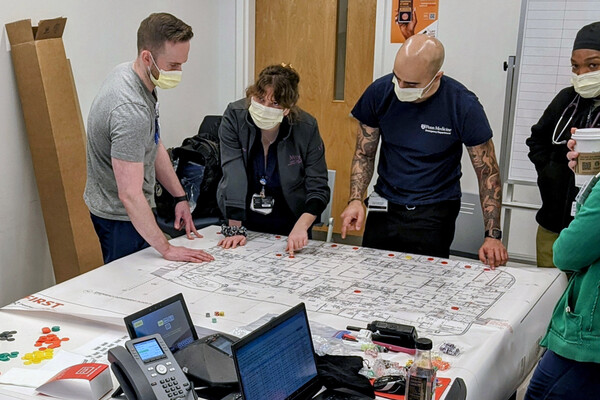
pixel 147 370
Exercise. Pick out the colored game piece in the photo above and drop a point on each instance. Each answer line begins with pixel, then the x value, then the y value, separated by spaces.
pixel 450 349
pixel 207 315
pixel 55 328
pixel 37 356
pixel 7 336
pixel 214 320
pixel 440 364
pixel 46 330
pixel 221 313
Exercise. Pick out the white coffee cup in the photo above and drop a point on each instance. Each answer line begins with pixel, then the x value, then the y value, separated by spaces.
pixel 588 146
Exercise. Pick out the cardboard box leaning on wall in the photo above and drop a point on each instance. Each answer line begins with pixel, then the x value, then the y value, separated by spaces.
pixel 57 142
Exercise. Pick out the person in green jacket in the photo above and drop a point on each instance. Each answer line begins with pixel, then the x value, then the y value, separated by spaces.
pixel 570 368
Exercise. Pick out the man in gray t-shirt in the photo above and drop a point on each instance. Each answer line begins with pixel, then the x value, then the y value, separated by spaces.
pixel 125 154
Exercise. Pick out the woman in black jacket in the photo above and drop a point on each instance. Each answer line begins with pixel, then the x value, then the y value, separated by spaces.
pixel 573 107
pixel 273 159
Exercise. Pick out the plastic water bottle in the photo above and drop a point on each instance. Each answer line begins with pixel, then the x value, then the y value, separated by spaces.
pixel 420 381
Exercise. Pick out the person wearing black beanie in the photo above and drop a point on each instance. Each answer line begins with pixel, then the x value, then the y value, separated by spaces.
pixel 573 107
pixel 570 366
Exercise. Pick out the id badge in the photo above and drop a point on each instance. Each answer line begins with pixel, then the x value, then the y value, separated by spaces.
pixel 377 203
pixel 262 204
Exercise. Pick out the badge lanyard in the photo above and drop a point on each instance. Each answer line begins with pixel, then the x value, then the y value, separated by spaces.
pixel 263 182
pixel 156 124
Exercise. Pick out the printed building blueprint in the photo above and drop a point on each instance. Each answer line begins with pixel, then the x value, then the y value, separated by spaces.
pixel 354 282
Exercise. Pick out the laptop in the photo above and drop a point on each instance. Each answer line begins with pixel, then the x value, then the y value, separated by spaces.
pixel 277 361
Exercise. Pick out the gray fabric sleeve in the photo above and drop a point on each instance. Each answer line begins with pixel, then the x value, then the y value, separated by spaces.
pixel 317 189
pixel 131 126
pixel 234 181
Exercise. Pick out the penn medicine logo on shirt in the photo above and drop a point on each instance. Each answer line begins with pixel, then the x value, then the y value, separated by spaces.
pixel 438 130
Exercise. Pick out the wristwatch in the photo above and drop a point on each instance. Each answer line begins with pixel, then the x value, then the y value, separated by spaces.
pixel 180 199
pixel 493 233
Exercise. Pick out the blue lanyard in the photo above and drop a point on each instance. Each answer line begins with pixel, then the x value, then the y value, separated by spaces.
pixel 156 125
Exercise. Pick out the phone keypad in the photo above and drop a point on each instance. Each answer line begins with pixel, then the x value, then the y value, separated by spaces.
pixel 172 387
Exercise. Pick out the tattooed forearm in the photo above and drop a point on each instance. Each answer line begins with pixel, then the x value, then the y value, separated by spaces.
pixel 363 162
pixel 484 162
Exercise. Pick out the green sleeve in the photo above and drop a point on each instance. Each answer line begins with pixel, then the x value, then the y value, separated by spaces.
pixel 578 245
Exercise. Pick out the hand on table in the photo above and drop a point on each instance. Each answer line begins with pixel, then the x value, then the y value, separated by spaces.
pixel 232 242
pixel 493 253
pixel 352 217
pixel 179 253
pixel 183 219
pixel 297 240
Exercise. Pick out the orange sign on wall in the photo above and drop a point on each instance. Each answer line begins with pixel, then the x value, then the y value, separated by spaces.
pixel 413 16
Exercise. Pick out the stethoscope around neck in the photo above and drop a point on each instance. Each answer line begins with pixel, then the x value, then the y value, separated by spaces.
pixel 556 135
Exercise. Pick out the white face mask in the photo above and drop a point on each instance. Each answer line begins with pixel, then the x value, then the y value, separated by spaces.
pixel 265 117
pixel 166 79
pixel 410 94
pixel 587 85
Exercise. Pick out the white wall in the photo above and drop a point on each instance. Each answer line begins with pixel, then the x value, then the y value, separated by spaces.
pixel 478 37
pixel 98 36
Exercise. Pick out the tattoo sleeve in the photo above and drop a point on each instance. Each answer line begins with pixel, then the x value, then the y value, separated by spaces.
pixel 486 168
pixel 363 162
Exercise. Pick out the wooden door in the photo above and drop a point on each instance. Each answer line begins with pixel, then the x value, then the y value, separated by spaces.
pixel 305 34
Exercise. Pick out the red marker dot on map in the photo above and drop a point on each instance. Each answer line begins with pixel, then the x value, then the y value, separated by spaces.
pixel 334 245
pixel 355 248
pixel 455 308
pixel 292 257
pixel 391 255
pixel 467 266
pixel 278 255
pixel 277 237
pixel 357 291
pixel 430 259
pixel 487 269
pixel 444 262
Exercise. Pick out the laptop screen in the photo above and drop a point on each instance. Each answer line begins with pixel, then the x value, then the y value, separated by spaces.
pixel 169 317
pixel 277 361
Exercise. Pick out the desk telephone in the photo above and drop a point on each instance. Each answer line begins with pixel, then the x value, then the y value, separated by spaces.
pixel 147 370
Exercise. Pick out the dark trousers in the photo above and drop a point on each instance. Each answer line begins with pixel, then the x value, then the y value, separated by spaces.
pixel 117 238
pixel 556 377
pixel 427 229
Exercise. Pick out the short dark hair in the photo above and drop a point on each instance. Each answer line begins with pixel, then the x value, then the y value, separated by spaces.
pixel 159 28
pixel 284 80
